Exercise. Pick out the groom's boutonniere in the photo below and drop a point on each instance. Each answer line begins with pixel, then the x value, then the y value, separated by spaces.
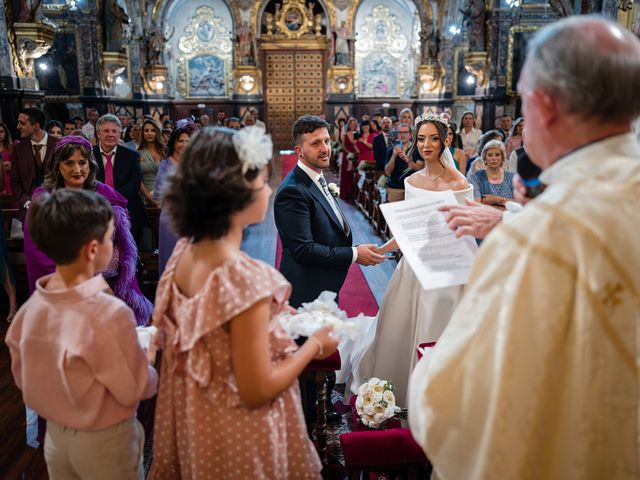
pixel 333 189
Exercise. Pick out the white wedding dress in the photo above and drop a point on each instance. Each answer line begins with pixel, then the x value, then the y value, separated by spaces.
pixel 408 317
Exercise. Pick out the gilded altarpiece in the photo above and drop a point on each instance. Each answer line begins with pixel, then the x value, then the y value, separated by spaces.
pixel 293 45
pixel 204 66
pixel 383 67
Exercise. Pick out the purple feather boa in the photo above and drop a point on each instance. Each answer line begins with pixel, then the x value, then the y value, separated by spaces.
pixel 125 283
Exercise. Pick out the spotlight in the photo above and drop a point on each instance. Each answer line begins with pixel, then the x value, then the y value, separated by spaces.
pixel 119 80
pixel 470 80
pixel 159 86
pixel 454 30
pixel 43 66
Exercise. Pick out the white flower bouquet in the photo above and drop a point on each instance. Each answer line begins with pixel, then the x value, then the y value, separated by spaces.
pixel 321 312
pixel 376 403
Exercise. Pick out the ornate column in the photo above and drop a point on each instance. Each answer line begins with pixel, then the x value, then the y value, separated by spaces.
pixel 90 50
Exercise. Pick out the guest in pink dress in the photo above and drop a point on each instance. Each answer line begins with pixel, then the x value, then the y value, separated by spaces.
pixel 347 167
pixel 229 403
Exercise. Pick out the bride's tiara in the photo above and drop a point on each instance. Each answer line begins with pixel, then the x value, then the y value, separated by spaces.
pixel 432 117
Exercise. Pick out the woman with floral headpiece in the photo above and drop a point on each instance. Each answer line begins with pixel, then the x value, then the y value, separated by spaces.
pixel 73 166
pixel 410 315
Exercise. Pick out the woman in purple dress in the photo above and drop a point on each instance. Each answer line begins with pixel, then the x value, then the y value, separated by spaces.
pixel 73 166
pixel 177 143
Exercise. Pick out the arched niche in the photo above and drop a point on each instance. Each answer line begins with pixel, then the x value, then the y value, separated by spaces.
pixel 387 48
pixel 200 51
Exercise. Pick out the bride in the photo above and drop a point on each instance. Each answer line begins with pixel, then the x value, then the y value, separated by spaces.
pixel 410 315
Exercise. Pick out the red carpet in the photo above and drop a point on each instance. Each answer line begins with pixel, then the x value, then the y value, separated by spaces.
pixel 355 295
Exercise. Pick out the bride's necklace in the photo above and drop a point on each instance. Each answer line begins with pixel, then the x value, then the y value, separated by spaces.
pixel 433 179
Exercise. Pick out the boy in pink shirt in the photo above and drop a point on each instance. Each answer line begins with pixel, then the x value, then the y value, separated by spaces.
pixel 74 349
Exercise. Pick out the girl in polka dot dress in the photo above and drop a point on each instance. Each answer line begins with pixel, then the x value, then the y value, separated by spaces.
pixel 228 404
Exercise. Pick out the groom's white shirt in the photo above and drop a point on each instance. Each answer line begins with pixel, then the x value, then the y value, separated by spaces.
pixel 315 176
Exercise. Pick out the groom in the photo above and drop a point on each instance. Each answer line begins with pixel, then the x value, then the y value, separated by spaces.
pixel 316 238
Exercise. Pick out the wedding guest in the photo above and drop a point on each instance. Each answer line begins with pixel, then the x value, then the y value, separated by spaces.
pixel 30 157
pixel 514 141
pixel 224 349
pixel 396 167
pixel 7 277
pixel 166 135
pixel 476 164
pixel 6 149
pixel 74 350
pixel 234 123
pixel 152 151
pixel 406 116
pixel 364 144
pixel 349 147
pixel 135 136
pixel 177 144
pixel 457 154
pixel 79 122
pixel 470 135
pixel 119 168
pixel 536 374
pixel 89 128
pixel 492 185
pixel 69 128
pixel 54 128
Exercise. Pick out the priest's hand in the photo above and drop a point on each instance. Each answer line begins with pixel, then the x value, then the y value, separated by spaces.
pixel 473 219
pixel 367 255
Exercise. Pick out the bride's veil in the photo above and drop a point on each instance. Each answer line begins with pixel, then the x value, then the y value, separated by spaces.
pixel 447 157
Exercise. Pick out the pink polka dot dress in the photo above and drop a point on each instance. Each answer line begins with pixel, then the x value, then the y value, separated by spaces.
pixel 202 428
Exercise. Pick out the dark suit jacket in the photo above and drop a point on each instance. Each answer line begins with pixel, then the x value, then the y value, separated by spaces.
pixel 126 180
pixel 380 151
pixel 316 253
pixel 23 169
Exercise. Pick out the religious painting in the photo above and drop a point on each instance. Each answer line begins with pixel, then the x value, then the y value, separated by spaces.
pixel 205 31
pixel 205 52
pixel 61 74
pixel 206 76
pixel 519 37
pixel 385 59
pixel 293 19
pixel 379 77
pixel 463 87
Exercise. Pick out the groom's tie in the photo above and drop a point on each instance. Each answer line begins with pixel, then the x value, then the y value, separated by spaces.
pixel 334 205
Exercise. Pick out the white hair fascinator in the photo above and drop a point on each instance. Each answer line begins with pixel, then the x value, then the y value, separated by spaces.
pixel 432 117
pixel 254 147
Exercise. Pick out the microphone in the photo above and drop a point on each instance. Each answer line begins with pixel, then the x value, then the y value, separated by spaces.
pixel 529 173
